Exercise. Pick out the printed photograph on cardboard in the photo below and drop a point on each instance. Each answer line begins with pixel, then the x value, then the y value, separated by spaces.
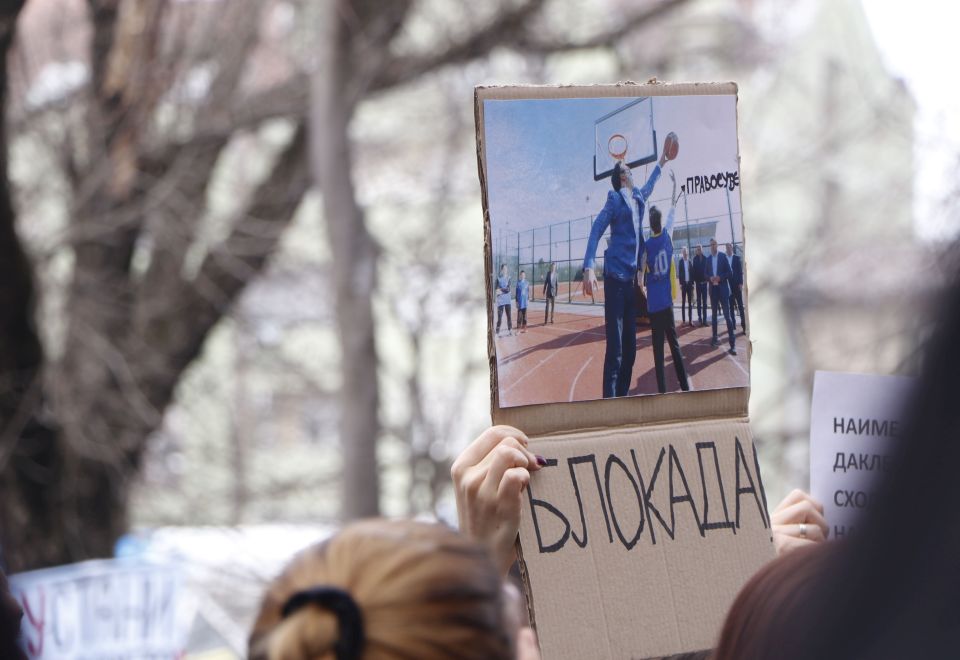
pixel 617 247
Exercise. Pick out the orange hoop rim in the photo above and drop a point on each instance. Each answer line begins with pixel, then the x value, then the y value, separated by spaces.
pixel 617 155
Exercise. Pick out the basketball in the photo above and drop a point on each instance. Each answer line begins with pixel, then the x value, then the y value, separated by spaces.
pixel 671 146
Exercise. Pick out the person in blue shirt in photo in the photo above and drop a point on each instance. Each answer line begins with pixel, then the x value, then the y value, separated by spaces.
pixel 719 274
pixel 523 289
pixel 657 260
pixel 622 212
pixel 502 293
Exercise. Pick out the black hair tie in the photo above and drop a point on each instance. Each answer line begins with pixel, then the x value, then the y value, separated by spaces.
pixel 344 607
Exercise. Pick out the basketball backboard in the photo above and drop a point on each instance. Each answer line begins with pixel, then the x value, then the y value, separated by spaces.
pixel 626 133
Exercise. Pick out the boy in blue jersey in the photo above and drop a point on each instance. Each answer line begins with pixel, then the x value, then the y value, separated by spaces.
pixel 522 296
pixel 658 256
pixel 623 213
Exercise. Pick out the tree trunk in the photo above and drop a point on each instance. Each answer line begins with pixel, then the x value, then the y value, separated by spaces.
pixel 354 261
pixel 40 476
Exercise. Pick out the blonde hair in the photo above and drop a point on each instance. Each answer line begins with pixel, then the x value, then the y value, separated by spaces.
pixel 423 592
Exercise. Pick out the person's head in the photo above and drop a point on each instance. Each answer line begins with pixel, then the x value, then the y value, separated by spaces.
pixel 683 252
pixel 713 246
pixel 772 596
pixel 699 251
pixel 523 274
pixel 553 267
pixel 621 176
pixel 893 594
pixel 655 225
pixel 503 269
pixel 385 589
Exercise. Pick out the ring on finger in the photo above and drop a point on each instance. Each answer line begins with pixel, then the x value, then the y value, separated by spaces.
pixel 803 530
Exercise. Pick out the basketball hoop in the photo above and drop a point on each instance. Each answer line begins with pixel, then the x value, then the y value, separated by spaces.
pixel 617 146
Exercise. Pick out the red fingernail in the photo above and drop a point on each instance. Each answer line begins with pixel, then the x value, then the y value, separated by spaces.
pixel 541 461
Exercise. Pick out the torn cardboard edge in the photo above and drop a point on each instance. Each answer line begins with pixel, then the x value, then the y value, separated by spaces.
pixel 546 419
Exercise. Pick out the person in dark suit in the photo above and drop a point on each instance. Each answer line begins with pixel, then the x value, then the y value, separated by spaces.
pixel 699 270
pixel 550 284
pixel 685 276
pixel 718 274
pixel 736 287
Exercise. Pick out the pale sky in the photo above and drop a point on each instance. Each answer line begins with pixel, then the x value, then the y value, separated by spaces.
pixel 540 159
pixel 919 43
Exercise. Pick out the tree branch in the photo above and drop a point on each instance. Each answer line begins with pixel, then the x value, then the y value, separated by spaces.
pixel 532 42
pixel 175 333
pixel 508 26
pixel 286 100
pixel 512 29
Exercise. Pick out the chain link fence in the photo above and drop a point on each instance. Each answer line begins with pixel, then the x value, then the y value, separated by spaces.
pixel 564 243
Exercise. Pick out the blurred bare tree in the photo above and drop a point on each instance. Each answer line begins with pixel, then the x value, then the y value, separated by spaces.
pixel 134 321
pixel 170 88
pixel 149 258
pixel 19 368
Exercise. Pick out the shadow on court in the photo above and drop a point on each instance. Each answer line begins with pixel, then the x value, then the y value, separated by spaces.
pixel 563 361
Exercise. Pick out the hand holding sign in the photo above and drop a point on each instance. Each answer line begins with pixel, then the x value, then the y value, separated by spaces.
pixel 797 521
pixel 488 479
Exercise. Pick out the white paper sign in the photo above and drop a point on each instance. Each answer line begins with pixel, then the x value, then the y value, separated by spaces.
pixel 111 608
pixel 855 425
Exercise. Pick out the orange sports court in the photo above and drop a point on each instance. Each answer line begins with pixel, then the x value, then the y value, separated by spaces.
pixel 563 361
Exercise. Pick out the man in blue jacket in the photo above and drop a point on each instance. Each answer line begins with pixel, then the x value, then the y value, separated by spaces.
pixel 718 274
pixel 622 212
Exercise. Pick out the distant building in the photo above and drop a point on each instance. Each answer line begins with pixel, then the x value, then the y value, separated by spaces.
pixel 836 278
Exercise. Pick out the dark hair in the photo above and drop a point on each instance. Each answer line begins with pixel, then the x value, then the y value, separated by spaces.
pixel 655 219
pixel 615 177
pixel 776 593
pixel 891 589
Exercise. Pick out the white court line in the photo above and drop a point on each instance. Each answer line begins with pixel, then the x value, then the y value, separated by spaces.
pixel 739 366
pixel 731 357
pixel 541 363
pixel 573 386
pixel 561 332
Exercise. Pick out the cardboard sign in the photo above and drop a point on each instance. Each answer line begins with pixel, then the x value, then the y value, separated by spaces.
pixel 102 609
pixel 855 425
pixel 651 513
pixel 635 542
